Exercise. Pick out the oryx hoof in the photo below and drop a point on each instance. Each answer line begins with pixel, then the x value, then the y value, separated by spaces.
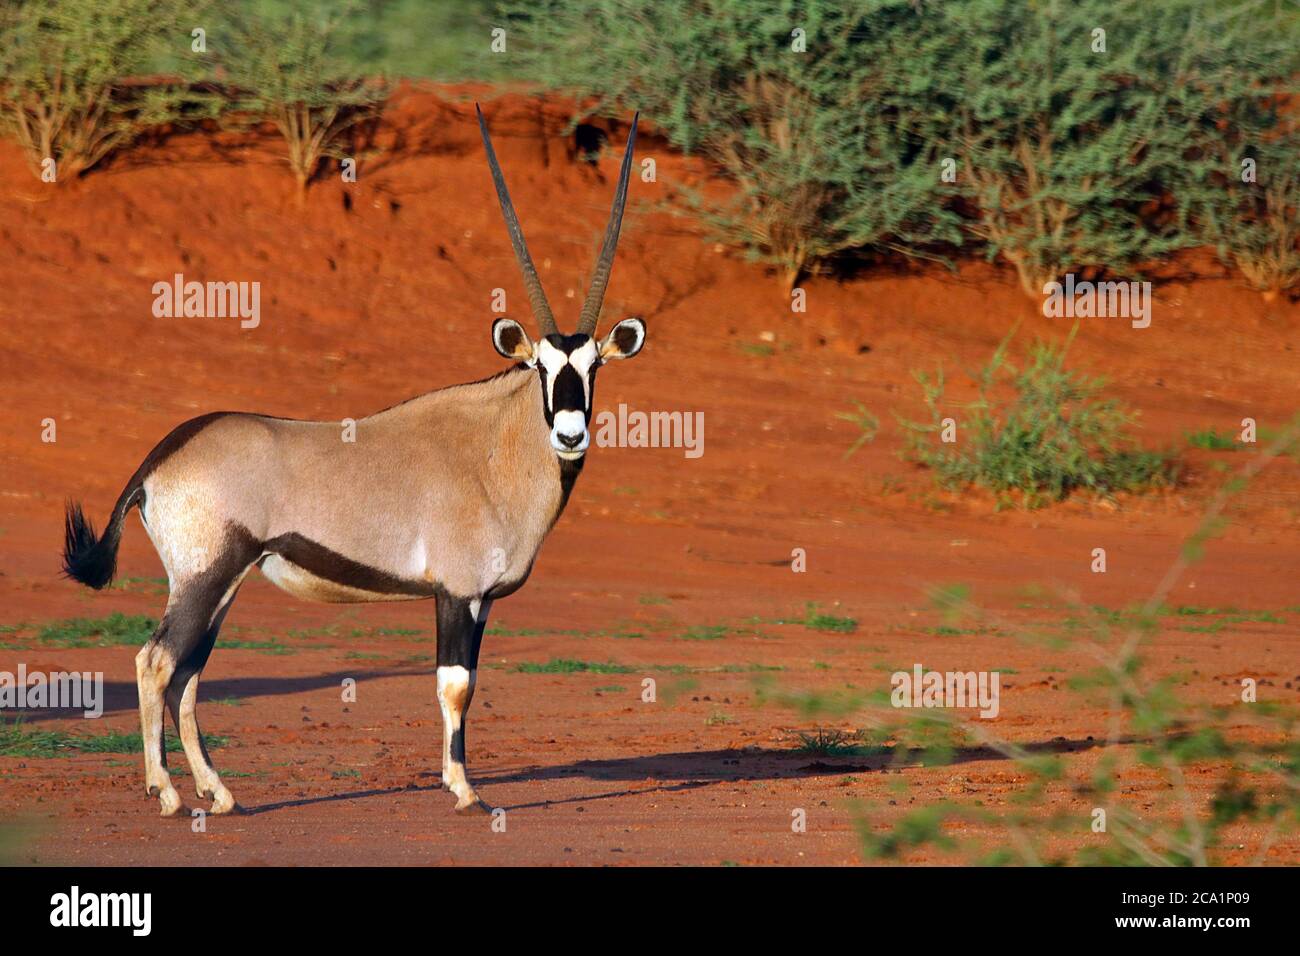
pixel 472 805
pixel 224 803
pixel 170 802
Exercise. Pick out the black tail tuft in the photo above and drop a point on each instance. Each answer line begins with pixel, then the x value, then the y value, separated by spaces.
pixel 87 558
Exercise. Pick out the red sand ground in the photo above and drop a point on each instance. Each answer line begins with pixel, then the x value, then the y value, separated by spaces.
pixel 369 301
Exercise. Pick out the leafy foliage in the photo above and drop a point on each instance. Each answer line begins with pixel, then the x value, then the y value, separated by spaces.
pixel 1082 157
pixel 73 83
pixel 830 742
pixel 1055 434
pixel 1071 150
pixel 886 127
pixel 1249 753
pixel 443 40
pixel 818 170
pixel 287 67
pixel 1255 224
pixel 868 424
pixel 819 621
pixel 1211 440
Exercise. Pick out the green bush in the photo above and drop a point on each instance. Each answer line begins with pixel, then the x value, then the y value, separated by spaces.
pixel 286 66
pixel 1255 224
pixel 836 122
pixel 1245 200
pixel 820 143
pixel 73 77
pixel 443 40
pixel 1055 433
pixel 1068 156
pixel 1082 158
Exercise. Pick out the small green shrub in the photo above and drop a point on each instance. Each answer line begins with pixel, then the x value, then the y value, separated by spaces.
pixel 817 621
pixel 1255 224
pixel 73 77
pixel 288 68
pixel 1211 440
pixel 868 424
pixel 829 742
pixel 1056 433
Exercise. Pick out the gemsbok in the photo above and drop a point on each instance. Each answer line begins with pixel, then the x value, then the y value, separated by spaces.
pixel 446 496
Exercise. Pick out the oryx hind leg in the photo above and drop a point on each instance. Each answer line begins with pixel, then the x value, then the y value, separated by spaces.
pixel 182 698
pixel 170 662
pixel 153 670
pixel 460 634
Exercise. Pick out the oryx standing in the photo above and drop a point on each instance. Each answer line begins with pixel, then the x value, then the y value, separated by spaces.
pixel 448 496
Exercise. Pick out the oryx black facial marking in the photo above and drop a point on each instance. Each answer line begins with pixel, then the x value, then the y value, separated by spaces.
pixel 567 365
pixel 425 503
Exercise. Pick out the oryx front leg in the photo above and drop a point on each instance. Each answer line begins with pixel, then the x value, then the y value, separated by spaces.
pixel 455 691
pixel 459 633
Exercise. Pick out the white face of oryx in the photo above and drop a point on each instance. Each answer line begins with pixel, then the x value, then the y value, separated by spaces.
pixel 568 377
pixel 567 365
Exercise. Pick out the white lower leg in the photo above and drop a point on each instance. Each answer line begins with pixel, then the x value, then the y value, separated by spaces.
pixel 207 783
pixel 455 691
pixel 153 670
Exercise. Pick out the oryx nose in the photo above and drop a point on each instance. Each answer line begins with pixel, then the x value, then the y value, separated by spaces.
pixel 569 441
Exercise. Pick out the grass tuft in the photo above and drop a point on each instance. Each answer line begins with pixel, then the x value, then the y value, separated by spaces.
pixel 827 742
pixel 565 665
pixel 16 740
pixel 116 629
pixel 1055 434
pixel 1211 440
pixel 818 621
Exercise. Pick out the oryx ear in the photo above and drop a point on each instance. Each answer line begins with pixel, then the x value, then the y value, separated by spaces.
pixel 623 341
pixel 512 341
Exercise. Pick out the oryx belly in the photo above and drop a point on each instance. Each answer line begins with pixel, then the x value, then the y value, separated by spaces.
pixel 302 583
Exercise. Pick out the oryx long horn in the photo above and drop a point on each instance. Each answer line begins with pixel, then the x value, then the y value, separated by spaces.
pixel 532 284
pixel 605 262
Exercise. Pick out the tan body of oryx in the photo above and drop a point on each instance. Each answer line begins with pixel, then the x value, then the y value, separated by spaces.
pixel 446 496
pixel 482 480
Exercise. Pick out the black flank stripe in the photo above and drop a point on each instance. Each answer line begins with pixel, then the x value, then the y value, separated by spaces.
pixel 319 560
